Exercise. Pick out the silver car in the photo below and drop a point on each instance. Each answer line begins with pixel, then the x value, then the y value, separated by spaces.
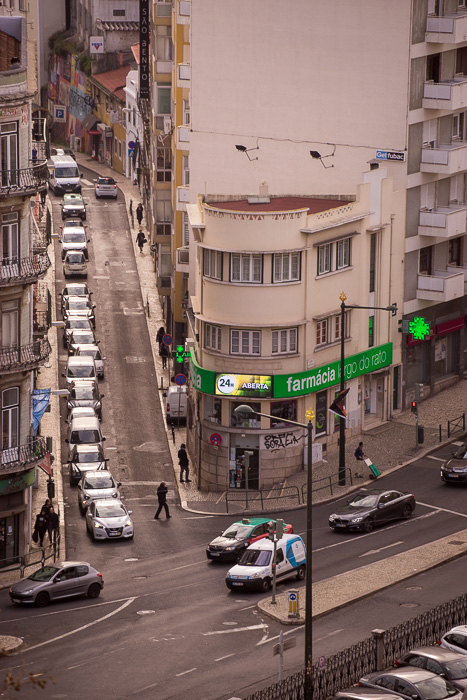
pixel 108 520
pixel 59 580
pixel 85 394
pixel 95 486
pixel 91 351
pixel 84 459
pixel 81 337
pixel 79 307
pixel 455 639
pixel 105 187
pixel 72 324
pixel 75 289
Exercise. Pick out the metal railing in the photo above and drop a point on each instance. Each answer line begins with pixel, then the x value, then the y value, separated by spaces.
pixel 23 456
pixel 262 497
pixel 24 356
pixel 34 558
pixel 23 269
pixel 24 180
pixel 456 425
pixel 327 482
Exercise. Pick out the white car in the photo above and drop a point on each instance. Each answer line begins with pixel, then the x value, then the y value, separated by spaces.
pixel 96 486
pixel 75 263
pixel 105 187
pixel 108 520
pixel 91 351
pixel 74 238
pixel 79 307
pixel 455 639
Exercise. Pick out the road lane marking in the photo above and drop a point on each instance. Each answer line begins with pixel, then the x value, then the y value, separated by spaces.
pixel 273 639
pixel 221 658
pixel 437 459
pixel 438 509
pixel 80 629
pixel 236 629
pixel 376 551
pixel 190 670
pixel 330 634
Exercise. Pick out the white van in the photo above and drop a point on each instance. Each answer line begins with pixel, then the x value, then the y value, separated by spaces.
pixel 64 175
pixel 84 431
pixel 176 403
pixel 254 570
pixel 80 368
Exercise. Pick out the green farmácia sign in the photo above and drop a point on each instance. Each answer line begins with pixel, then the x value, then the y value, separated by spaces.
pixel 302 383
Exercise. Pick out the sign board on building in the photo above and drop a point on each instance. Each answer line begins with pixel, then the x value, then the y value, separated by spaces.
pixel 59 113
pixel 96 44
pixel 252 385
pixel 144 49
pixel 391 155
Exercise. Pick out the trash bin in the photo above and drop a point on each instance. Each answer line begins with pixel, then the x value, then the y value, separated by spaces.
pixel 421 435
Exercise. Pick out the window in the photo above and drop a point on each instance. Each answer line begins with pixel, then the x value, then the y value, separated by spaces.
pixel 329 330
pixel 163 98
pixel 186 229
pixel 324 258
pixel 164 8
pixel 212 409
pixel 212 264
pixel 458 121
pixel 283 410
pixel 163 164
pixel 426 261
pixel 163 213
pixel 119 149
pixel 286 267
pixel 10 323
pixel 343 254
pixel 455 252
pixel 245 420
pixel 212 337
pixel 461 60
pixel 322 332
pixel 115 145
pixel 372 262
pixel 186 170
pixel 119 13
pixel 245 342
pixel 246 268
pixel 9 153
pixel 432 67
pixel 284 341
pixel 10 238
pixel 186 112
pixel 163 43
pixel 10 420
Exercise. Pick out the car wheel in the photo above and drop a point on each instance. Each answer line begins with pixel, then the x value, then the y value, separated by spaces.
pixel 265 585
pixel 42 599
pixel 301 573
pixel 406 511
pixel 94 590
pixel 368 525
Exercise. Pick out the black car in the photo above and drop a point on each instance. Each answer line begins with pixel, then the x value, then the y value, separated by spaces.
pixel 413 683
pixel 444 662
pixel 454 471
pixel 369 508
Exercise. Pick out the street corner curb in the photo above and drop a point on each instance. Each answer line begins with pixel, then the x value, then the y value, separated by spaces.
pixel 8 644
pixel 268 608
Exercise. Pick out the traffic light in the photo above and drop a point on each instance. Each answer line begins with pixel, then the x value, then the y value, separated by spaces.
pixel 271 530
pixel 279 528
pixel 414 406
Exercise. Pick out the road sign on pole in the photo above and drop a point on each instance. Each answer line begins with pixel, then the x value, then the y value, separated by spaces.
pixel 215 439
pixel 180 379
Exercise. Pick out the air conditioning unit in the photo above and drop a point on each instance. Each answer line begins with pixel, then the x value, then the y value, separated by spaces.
pixel 167 125
pixel 183 256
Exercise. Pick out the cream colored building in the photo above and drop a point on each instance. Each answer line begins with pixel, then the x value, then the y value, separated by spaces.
pixel 266 324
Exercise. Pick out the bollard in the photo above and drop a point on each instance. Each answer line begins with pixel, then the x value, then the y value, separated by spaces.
pixel 294 603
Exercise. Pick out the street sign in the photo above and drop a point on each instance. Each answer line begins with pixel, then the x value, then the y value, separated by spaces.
pixel 167 339
pixel 132 145
pixel 180 379
pixel 59 113
pixel 215 439
pixel 153 247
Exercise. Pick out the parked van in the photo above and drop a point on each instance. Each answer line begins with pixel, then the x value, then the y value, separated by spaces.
pixel 254 570
pixel 176 403
pixel 64 175
pixel 84 431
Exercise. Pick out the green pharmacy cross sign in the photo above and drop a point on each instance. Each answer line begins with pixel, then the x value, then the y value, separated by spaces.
pixel 180 353
pixel 419 328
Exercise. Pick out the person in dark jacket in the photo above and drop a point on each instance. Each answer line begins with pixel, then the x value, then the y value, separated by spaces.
pixel 47 505
pixel 359 456
pixel 139 213
pixel 162 498
pixel 164 353
pixel 159 336
pixel 184 463
pixel 52 525
pixel 40 526
pixel 141 240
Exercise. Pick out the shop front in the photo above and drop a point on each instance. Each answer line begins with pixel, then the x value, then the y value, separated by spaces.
pixel 14 520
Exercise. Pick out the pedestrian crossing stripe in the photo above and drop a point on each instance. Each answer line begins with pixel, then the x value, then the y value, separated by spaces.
pixel 87 182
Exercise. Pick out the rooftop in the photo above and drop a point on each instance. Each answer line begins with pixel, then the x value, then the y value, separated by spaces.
pixel 113 80
pixel 313 205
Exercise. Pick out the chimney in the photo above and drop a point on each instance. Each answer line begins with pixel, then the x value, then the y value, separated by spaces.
pixel 264 189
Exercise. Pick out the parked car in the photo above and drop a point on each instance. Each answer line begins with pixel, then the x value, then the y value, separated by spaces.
pixel 74 238
pixel 444 662
pixel 371 507
pixel 79 307
pixel 85 458
pixel 105 187
pixel 80 369
pixel 81 337
pixel 357 693
pixel 54 581
pixel 85 394
pixel 73 205
pixel 455 639
pixel 81 412
pixel 231 544
pixel 109 519
pixel 80 350
pixel 411 682
pixel 73 323
pixel 74 289
pixel 75 263
pixel 454 470
pixel 95 486
pixel 83 431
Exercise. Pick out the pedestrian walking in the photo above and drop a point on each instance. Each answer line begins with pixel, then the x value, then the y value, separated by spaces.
pixel 141 240
pixel 40 527
pixel 47 505
pixel 184 463
pixel 131 207
pixel 139 213
pixel 159 336
pixel 43 197
pixel 162 498
pixel 164 353
pixel 359 456
pixel 52 525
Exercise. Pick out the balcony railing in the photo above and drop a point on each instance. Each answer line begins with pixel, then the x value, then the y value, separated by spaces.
pixel 23 457
pixel 23 269
pixel 23 357
pixel 25 181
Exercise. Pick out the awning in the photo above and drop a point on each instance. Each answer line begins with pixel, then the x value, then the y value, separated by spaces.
pixel 94 132
pixel 89 122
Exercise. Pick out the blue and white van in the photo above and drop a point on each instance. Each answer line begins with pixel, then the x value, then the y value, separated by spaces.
pixel 255 569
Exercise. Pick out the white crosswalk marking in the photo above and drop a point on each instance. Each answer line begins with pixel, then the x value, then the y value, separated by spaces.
pixel 87 182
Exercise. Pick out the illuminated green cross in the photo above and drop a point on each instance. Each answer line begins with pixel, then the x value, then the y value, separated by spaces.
pixel 419 328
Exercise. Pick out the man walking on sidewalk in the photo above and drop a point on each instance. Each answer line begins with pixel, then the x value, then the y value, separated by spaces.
pixel 162 498
pixel 184 463
pixel 359 456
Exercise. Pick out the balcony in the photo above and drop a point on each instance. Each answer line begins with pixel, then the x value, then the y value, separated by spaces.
pixel 24 182
pixel 182 263
pixel 459 268
pixel 450 29
pixel 443 222
pixel 449 95
pixel 22 358
pixel 440 287
pixel 23 270
pixel 446 159
pixel 23 457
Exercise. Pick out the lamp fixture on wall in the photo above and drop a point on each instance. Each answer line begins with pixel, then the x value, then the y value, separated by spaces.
pixel 244 149
pixel 318 156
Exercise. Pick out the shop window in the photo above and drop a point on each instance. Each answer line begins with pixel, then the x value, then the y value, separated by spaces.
pixel 285 341
pixel 212 409
pixel 446 355
pixel 283 410
pixel 286 267
pixel 245 420
pixel 212 337
pixel 246 268
pixel 321 422
pixel 212 264
pixel 245 342
pixel 9 539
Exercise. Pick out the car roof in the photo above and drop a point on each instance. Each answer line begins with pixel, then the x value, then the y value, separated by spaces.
pixel 82 411
pixel 107 179
pixel 87 347
pixel 72 195
pixel 76 297
pixel 414 674
pixel 69 253
pixel 439 653
pixel 73 360
pixel 88 448
pixel 106 501
pixel 459 628
pixel 266 543
pixel 84 422
pixel 98 473
pixel 72 563
pixel 252 521
pixel 83 383
pixel 75 285
pixel 366 692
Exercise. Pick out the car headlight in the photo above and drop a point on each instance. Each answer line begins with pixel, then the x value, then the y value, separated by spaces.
pixel 98 525
pixel 356 520
pixel 231 548
pixel 27 591
pixel 127 524
pixel 257 575
pixel 332 517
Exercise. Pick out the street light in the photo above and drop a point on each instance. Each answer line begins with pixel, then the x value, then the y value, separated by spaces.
pixel 243 408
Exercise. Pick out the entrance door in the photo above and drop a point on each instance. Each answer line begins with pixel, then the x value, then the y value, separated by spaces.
pixel 10 425
pixel 253 470
pixel 9 153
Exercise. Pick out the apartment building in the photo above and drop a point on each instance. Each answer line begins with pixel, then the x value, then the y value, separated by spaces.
pixel 267 329
pixel 23 174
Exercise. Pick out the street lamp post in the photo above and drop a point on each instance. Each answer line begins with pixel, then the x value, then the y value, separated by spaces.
pixel 308 579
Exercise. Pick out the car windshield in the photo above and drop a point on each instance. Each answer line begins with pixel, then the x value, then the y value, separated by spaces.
pixel 75 258
pixel 79 290
pixel 237 531
pixel 435 689
pixel 106 181
pixel 99 482
pixel 82 338
pixel 81 372
pixel 44 574
pixel 88 457
pixel 78 304
pixel 68 171
pixel 73 200
pixel 90 352
pixel 73 237
pixel 110 510
pixel 78 437
pixel 81 393
pixel 70 222
pixel 255 557
pixel 461 452
pixel 364 500
pixel 76 324
pixel 457 669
